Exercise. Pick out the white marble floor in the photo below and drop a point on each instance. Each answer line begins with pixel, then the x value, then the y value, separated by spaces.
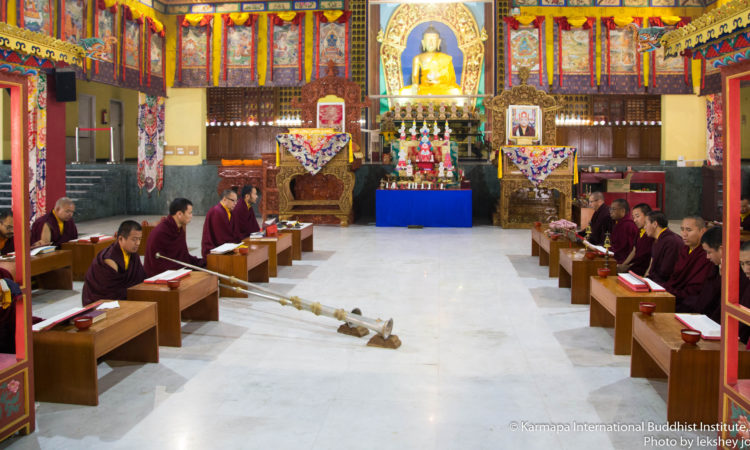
pixel 489 344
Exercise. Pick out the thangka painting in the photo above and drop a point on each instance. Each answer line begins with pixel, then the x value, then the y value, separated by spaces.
pixel 669 75
pixel 104 28
pixel 574 59
pixel 154 83
pixel 239 69
pixel 332 47
pixel 286 68
pixel 714 130
pixel 36 15
pixel 621 71
pixel 525 49
pixel 156 55
pixel 194 57
pixel 73 17
pixel 132 75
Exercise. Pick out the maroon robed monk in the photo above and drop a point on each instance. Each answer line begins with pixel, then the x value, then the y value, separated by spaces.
pixel 708 298
pixel 169 239
pixel 601 222
pixel 116 268
pixel 6 232
pixel 666 249
pixel 57 226
pixel 219 228
pixel 624 230
pixel 745 213
pixel 692 266
pixel 244 214
pixel 640 256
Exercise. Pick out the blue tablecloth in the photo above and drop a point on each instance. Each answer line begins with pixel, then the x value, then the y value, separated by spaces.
pixel 438 208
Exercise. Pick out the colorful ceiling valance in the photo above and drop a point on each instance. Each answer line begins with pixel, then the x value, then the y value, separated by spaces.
pixel 27 44
pixel 720 23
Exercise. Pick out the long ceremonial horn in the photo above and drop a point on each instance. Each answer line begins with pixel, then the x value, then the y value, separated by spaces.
pixel 383 328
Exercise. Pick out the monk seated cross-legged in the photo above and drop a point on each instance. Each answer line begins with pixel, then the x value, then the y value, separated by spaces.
pixel 639 257
pixel 219 227
pixel 57 226
pixel 116 268
pixel 601 222
pixel 666 248
pixel 169 238
pixel 244 214
pixel 624 230
pixel 692 266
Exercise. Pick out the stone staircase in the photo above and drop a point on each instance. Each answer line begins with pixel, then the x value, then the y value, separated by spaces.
pixel 86 185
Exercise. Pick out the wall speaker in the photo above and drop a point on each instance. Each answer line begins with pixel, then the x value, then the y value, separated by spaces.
pixel 65 86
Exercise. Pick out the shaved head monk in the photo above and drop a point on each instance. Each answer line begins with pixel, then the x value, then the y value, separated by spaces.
pixel 708 298
pixel 6 232
pixel 640 256
pixel 169 238
pixel 219 228
pixel 116 268
pixel 666 248
pixel 56 226
pixel 244 214
pixel 692 266
pixel 744 331
pixel 624 230
pixel 745 212
pixel 601 222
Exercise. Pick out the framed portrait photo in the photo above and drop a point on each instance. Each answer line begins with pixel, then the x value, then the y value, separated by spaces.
pixel 524 121
pixel 331 115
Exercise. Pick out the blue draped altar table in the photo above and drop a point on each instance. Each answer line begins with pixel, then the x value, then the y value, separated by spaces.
pixel 429 208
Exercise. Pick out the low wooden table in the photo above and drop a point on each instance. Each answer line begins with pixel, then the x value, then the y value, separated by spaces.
pixel 612 304
pixel 535 237
pixel 52 270
pixel 302 239
pixel 65 359
pixel 279 251
pixel 197 298
pixel 84 254
pixel 252 267
pixel 549 252
pixel 575 271
pixel 145 230
pixel 692 370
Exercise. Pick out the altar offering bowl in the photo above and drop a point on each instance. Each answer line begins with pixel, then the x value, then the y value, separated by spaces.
pixel 538 225
pixel 603 272
pixel 173 284
pixel 83 323
pixel 590 255
pixel 94 239
pixel 646 308
pixel 690 336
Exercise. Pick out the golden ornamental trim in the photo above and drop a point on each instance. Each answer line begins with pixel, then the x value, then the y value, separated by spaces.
pixel 722 21
pixel 40 45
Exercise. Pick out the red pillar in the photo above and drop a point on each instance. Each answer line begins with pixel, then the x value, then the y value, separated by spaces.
pixel 55 146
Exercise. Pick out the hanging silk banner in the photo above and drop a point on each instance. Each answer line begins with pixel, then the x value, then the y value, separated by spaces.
pixel 238 56
pixel 150 172
pixel 525 48
pixel 36 135
pixel 105 23
pixel 575 56
pixel 668 75
pixel 155 79
pixel 131 71
pixel 714 129
pixel 286 52
pixel 194 54
pixel 36 15
pixel 332 42
pixel 621 63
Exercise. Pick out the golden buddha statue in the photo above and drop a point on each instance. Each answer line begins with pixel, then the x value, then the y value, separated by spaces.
pixel 432 70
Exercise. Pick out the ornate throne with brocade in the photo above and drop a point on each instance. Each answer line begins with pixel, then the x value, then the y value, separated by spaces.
pixel 521 203
pixel 325 197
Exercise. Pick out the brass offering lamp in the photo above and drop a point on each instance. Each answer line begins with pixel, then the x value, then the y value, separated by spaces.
pixel 607 245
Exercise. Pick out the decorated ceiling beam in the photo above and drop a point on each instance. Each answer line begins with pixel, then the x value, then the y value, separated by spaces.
pixel 40 45
pixel 719 23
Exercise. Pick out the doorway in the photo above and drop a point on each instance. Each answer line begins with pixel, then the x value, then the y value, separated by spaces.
pixel 86 139
pixel 115 121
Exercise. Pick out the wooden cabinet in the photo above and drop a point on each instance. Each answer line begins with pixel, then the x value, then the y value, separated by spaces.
pixel 262 177
pixel 712 200
pixel 243 142
pixel 613 142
